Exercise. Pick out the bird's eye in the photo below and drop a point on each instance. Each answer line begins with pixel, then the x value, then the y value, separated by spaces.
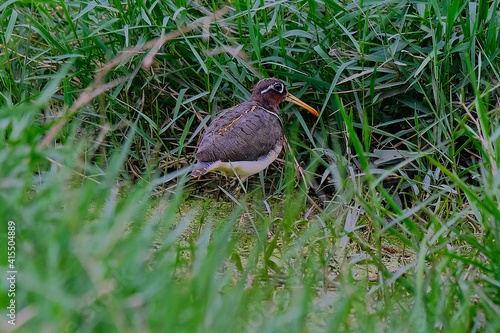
pixel 278 87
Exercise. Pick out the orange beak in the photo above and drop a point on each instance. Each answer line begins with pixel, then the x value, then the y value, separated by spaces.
pixel 296 101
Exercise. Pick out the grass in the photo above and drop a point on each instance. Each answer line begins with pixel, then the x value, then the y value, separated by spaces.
pixel 393 225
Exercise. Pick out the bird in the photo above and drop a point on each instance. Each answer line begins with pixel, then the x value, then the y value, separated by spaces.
pixel 244 139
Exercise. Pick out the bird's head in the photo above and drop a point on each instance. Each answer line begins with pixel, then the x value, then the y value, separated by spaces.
pixel 272 92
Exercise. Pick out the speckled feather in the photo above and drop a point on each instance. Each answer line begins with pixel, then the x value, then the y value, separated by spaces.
pixel 246 132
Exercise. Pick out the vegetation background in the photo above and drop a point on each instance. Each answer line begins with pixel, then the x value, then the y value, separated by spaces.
pixel 382 216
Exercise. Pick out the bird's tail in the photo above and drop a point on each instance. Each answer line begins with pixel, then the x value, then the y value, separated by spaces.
pixel 200 169
pixel 197 170
pixel 177 174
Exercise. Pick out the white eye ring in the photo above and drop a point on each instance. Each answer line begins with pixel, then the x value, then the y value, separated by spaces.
pixel 278 87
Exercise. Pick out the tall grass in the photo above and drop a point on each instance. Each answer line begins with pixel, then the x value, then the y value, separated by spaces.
pixel 392 226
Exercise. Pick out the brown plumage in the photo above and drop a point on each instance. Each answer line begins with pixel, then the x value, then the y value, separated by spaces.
pixel 249 136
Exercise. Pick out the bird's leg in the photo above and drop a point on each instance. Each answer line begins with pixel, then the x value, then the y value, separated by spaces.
pixel 217 197
pixel 220 184
pixel 241 186
pixel 233 182
pixel 236 185
pixel 238 192
pixel 228 179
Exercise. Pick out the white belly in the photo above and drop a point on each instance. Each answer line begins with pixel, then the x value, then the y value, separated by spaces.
pixel 246 168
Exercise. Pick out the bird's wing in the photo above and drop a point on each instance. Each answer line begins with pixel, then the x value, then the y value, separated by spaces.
pixel 242 133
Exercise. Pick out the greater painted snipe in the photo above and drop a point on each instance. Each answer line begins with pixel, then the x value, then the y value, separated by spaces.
pixel 249 136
